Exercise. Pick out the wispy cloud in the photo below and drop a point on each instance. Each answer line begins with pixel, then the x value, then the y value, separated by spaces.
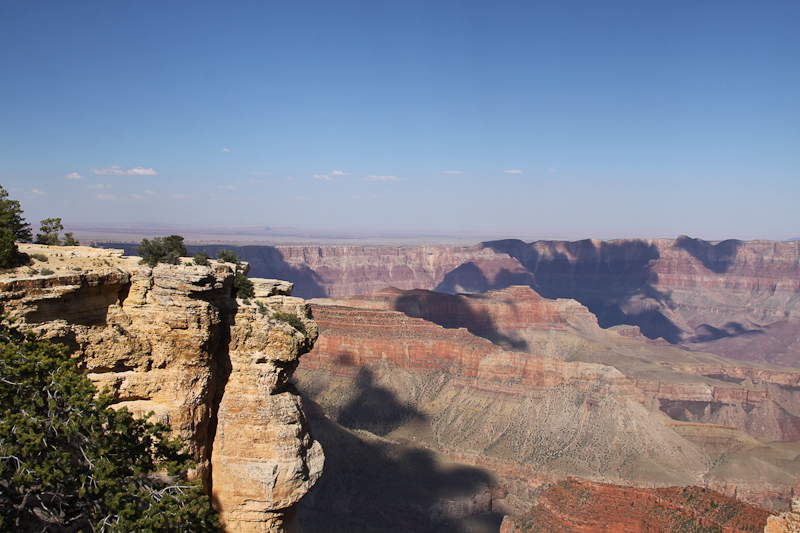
pixel 259 173
pixel 254 180
pixel 513 171
pixel 178 196
pixel 339 173
pixel 452 172
pixel 100 186
pixel 552 170
pixel 324 177
pixel 137 196
pixel 73 176
pixel 227 187
pixel 226 150
pixel 382 178
pixel 120 171
pixel 104 196
pixel 37 192
pixel 289 179
pixel 148 191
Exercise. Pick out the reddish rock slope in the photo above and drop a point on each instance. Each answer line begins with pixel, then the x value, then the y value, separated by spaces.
pixel 577 506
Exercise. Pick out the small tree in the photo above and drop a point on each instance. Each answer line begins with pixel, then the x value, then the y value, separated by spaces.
pixel 69 240
pixel 167 250
pixel 11 218
pixel 69 462
pixel 48 232
pixel 243 287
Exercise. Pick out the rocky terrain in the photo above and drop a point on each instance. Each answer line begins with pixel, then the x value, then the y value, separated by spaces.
pixel 577 506
pixel 535 407
pixel 173 341
pixel 733 298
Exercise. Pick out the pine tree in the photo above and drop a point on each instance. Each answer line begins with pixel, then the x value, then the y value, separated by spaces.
pixel 69 462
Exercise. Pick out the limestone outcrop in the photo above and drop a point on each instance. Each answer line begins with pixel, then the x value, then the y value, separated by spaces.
pixel 788 522
pixel 173 341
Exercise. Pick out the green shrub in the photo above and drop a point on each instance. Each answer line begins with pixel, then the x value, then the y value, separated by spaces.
pixel 46 272
pixel 228 256
pixel 67 457
pixel 167 250
pixel 292 320
pixel 243 287
pixel 40 257
pixel 201 258
pixel 261 307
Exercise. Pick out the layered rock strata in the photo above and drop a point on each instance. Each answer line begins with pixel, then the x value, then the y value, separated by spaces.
pixel 173 341
pixel 651 414
pixel 733 298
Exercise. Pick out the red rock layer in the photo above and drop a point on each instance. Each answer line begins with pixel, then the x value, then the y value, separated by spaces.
pixel 578 506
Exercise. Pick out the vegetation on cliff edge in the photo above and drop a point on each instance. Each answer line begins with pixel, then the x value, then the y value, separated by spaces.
pixel 69 462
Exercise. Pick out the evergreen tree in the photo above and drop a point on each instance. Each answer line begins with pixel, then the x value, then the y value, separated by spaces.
pixel 11 218
pixel 48 232
pixel 69 462
pixel 167 250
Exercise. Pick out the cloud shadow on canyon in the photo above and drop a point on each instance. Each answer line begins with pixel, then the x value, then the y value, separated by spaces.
pixel 374 485
pixel 614 280
pixel 718 258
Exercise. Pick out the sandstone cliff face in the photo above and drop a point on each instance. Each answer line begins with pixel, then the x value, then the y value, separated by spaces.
pixel 171 340
pixel 788 522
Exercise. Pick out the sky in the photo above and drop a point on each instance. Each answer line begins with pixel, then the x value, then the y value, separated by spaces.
pixel 561 119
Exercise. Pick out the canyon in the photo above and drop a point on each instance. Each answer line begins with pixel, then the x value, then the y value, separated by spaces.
pixel 173 343
pixel 732 298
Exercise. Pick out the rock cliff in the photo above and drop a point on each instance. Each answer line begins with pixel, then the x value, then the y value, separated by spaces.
pixel 733 298
pixel 174 342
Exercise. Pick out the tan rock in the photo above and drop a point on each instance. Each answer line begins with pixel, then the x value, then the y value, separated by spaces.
pixel 172 341
pixel 788 522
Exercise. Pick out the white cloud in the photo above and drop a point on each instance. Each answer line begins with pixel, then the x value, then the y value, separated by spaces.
pixel 552 170
pixel 226 150
pixel 227 187
pixel 148 191
pixel 73 176
pixel 324 177
pixel 259 173
pixel 100 186
pixel 117 170
pixel 339 173
pixel 289 179
pixel 178 196
pixel 513 171
pixel 37 192
pixel 452 172
pixel 382 178
pixel 354 197
pixel 253 180
pixel 104 196
pixel 137 196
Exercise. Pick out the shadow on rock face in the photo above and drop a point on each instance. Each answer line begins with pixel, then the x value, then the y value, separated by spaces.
pixel 374 485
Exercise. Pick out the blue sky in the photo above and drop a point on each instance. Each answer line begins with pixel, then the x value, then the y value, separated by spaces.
pixel 578 119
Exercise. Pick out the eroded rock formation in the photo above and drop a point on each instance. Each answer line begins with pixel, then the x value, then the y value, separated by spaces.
pixel 650 414
pixel 172 340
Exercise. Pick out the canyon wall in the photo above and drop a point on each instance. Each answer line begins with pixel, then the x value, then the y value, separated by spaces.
pixel 535 406
pixel 173 341
pixel 733 298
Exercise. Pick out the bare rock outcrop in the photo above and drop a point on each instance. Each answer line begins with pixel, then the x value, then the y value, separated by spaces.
pixel 173 341
pixel 788 522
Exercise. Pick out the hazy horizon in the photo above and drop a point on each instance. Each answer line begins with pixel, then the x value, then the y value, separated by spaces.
pixel 530 120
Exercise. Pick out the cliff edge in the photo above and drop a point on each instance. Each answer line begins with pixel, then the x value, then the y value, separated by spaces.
pixel 173 341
